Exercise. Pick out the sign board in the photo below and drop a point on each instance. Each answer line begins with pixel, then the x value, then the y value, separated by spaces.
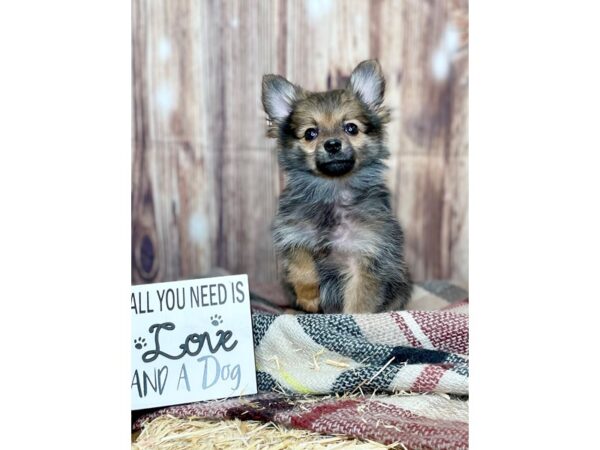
pixel 191 341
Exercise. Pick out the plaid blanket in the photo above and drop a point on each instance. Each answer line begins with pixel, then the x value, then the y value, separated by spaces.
pixel 345 357
pixel 419 351
pixel 426 421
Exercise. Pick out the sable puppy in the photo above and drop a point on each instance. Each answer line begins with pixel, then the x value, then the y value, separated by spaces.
pixel 340 245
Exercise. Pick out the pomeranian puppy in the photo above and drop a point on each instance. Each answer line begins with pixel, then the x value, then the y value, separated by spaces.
pixel 340 246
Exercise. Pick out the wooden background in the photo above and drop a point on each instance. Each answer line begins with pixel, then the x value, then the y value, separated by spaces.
pixel 205 177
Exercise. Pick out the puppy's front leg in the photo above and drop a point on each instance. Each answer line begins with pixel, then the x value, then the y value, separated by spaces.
pixel 360 288
pixel 301 273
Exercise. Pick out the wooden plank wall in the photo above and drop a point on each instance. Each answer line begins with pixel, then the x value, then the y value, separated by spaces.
pixel 205 177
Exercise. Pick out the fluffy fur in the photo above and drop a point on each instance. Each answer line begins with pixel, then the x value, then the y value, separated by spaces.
pixel 340 245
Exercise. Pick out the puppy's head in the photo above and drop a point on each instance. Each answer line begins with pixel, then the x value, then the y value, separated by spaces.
pixel 330 134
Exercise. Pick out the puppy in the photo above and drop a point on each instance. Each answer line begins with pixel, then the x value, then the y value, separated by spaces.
pixel 340 246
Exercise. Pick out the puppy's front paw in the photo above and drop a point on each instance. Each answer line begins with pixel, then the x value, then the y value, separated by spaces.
pixel 310 305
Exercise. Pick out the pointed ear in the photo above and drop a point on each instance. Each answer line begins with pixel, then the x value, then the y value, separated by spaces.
pixel 278 97
pixel 367 83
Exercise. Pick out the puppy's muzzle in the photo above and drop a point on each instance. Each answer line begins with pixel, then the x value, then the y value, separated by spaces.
pixel 335 161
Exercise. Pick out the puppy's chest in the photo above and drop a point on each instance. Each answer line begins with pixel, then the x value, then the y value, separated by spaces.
pixel 344 229
pixel 349 232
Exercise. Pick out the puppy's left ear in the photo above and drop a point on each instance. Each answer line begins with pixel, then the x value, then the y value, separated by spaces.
pixel 367 83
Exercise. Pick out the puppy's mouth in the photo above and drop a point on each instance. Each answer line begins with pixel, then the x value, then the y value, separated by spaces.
pixel 336 167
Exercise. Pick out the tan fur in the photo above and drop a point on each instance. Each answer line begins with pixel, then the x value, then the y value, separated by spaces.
pixel 330 123
pixel 360 288
pixel 302 274
pixel 318 114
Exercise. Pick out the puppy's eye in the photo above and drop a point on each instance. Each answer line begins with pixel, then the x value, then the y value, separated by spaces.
pixel 311 134
pixel 351 128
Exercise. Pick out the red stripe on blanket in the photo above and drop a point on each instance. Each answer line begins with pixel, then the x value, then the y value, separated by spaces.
pixel 429 378
pixel 308 419
pixel 383 423
pixel 410 337
pixel 446 331
pixel 416 431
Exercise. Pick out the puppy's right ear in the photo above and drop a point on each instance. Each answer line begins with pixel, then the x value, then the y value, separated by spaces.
pixel 278 97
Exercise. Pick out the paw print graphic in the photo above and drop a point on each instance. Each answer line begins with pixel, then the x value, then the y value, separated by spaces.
pixel 139 343
pixel 216 320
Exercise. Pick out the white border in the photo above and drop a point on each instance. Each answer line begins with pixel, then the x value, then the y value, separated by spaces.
pixel 65 179
pixel 534 224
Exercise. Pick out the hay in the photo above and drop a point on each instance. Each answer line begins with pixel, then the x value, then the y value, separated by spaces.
pixel 172 433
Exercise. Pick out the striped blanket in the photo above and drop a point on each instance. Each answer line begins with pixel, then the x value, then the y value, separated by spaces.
pixel 419 351
pixel 397 377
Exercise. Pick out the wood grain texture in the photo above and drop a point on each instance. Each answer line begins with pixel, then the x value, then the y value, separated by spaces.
pixel 205 177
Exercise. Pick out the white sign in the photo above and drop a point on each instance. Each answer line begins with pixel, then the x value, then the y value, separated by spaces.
pixel 192 340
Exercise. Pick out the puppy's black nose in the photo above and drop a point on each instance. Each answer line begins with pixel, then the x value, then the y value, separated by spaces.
pixel 333 145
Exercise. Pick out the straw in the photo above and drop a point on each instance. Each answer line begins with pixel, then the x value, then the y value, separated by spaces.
pixel 172 433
